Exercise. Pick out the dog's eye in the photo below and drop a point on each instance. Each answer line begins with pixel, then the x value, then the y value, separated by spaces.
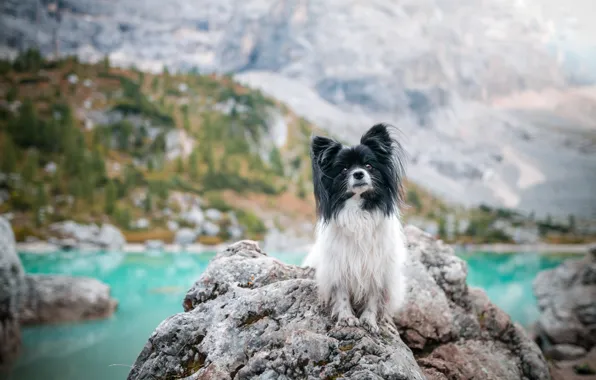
pixel 344 170
pixel 368 166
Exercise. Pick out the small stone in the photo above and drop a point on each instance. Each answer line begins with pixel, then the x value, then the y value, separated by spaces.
pixel 565 352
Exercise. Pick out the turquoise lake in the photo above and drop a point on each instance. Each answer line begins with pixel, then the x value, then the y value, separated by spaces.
pixel 150 287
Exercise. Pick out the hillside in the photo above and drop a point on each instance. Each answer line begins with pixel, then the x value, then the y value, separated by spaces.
pixel 435 68
pixel 147 152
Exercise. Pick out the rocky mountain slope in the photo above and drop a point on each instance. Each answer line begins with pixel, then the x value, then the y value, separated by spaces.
pixel 435 68
pixel 166 156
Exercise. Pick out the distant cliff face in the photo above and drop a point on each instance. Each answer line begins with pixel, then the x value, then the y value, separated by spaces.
pixel 441 70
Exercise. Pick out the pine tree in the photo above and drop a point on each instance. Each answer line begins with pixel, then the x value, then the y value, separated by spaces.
pixel 414 199
pixel 110 201
pixel 179 165
pixel 106 64
pixel 193 166
pixel 41 200
pixel 75 188
pixel 31 166
pixel 155 84
pixel 9 156
pixel 572 224
pixel 148 202
pixel 24 127
pixel 276 161
pixel 442 227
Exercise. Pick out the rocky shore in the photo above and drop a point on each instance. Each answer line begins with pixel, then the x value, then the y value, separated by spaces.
pixel 566 328
pixel 251 316
pixel 41 299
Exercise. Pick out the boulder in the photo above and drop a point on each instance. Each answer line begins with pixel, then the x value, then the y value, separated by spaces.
pixel 194 216
pixel 185 236
pixel 12 279
pixel 58 299
pixel 154 245
pixel 251 316
pixel 90 236
pixel 210 229
pixel 214 214
pixel 566 327
pixel 110 238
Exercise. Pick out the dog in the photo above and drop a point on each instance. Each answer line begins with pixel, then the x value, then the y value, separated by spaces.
pixel 360 248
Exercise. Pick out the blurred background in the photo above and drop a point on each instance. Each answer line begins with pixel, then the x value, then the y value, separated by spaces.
pixel 138 137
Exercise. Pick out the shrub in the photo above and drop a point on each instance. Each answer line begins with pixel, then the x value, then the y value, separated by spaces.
pixel 254 225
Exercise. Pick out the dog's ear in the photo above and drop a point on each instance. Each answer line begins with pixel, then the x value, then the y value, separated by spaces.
pixel 378 139
pixel 321 148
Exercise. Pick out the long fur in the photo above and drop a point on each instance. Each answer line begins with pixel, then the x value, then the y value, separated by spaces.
pixel 360 250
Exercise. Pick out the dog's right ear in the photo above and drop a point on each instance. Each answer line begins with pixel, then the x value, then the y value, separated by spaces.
pixel 321 147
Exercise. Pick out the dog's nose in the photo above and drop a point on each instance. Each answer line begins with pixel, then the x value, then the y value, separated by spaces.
pixel 359 174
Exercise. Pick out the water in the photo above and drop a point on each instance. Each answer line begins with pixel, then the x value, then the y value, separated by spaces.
pixel 507 280
pixel 151 287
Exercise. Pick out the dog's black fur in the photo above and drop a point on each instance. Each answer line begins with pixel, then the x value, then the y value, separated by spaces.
pixel 379 153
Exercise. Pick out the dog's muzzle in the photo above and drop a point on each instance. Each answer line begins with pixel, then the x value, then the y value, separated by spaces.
pixel 359 181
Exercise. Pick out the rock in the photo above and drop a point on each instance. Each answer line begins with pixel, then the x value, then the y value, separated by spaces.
pixel 172 225
pixel 210 229
pixel 58 299
pixel 73 79
pixel 50 167
pixel 251 316
pixel 565 352
pixel 110 238
pixel 567 302
pixel 12 279
pixel 90 236
pixel 235 232
pixel 185 236
pixel 194 215
pixel 141 223
pixel 214 214
pixel 154 245
pixel 79 232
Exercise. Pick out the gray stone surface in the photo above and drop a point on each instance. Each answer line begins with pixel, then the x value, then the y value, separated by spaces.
pixel 185 236
pixel 567 301
pixel 75 235
pixel 12 279
pixel 52 299
pixel 251 316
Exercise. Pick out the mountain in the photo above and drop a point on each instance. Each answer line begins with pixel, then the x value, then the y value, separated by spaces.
pixel 447 72
pixel 153 154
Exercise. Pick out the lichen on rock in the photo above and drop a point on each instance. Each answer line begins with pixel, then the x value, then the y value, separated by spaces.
pixel 250 316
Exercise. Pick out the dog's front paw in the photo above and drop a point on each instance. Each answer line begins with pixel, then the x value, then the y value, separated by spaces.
pixel 347 321
pixel 369 323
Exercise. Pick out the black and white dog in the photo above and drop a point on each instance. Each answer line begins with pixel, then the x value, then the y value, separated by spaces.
pixel 360 249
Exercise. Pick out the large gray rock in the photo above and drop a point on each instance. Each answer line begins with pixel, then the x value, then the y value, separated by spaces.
pixel 90 236
pixel 11 283
pixel 185 236
pixel 251 316
pixel 59 299
pixel 110 238
pixel 566 296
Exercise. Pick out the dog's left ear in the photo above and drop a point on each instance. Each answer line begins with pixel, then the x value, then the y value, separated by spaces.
pixel 378 139
pixel 322 148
